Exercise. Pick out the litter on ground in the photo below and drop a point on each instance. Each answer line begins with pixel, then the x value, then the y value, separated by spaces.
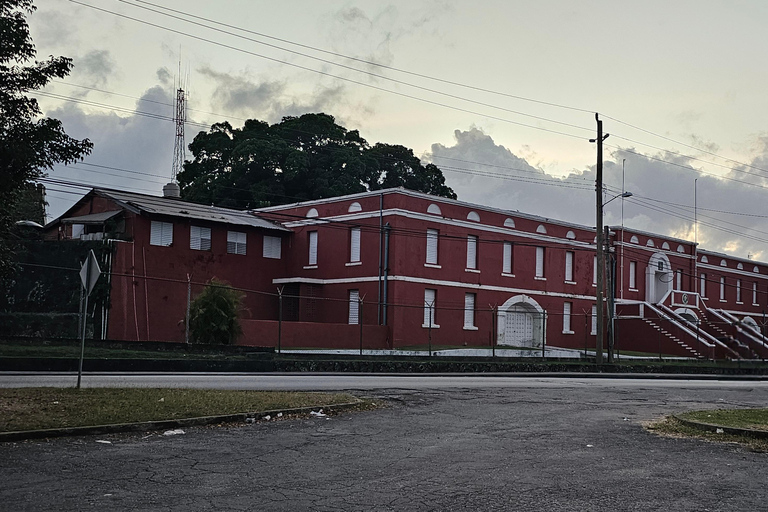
pixel 319 413
pixel 174 432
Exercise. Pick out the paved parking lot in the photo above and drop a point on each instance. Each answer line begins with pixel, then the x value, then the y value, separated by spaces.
pixel 567 446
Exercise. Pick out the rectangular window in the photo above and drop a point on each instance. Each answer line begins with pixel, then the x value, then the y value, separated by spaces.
pixel 199 238
pixel 738 290
pixel 161 233
pixel 469 310
pixel 539 262
pixel 754 293
pixel 632 275
pixel 78 230
pixel 312 247
pixel 429 307
pixel 679 280
pixel 471 252
pixel 567 306
pixel 569 266
pixel 432 246
pixel 354 306
pixel 354 245
pixel 594 271
pixel 236 242
pixel 722 288
pixel 703 285
pixel 506 266
pixel 272 247
pixel 594 319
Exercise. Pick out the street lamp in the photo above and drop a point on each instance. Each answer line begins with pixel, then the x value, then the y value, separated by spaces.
pixel 611 284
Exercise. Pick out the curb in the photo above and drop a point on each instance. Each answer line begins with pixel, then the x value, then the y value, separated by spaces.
pixel 709 427
pixel 22 435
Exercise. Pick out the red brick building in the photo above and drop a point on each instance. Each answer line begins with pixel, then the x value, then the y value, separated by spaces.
pixel 417 269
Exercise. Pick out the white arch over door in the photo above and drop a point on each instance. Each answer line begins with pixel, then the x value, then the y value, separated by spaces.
pixel 658 278
pixel 521 322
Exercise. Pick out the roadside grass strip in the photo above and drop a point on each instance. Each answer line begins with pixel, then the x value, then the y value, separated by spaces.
pixel 28 409
pixel 747 427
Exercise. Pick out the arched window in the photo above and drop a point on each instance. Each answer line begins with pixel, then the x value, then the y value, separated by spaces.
pixel 541 229
pixel 434 209
pixel 509 223
pixel 681 249
pixel 665 246
pixel 473 216
pixel 634 240
pixel 312 213
pixel 570 235
pixel 355 207
pixel 650 243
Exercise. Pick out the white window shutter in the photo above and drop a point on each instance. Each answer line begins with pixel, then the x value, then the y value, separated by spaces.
pixel 469 310
pixel 272 247
pixel 754 293
pixel 594 270
pixel 507 261
pixel 632 275
pixel 432 235
pixel 703 285
pixel 539 262
pixel 236 242
pixel 472 252
pixel 679 280
pixel 429 305
pixel 594 319
pixel 354 245
pixel 161 233
pixel 354 306
pixel 722 288
pixel 566 317
pixel 313 247
pixel 568 266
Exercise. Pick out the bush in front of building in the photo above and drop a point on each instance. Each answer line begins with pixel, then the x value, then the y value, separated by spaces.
pixel 213 315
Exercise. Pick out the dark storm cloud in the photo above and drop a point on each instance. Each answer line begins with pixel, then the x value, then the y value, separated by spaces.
pixel 663 188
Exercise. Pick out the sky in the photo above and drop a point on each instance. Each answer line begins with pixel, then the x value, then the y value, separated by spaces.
pixel 501 95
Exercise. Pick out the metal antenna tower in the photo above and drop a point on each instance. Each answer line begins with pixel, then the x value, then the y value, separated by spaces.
pixel 179 118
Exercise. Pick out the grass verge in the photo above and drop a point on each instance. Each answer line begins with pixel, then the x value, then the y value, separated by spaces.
pixel 756 419
pixel 671 427
pixel 45 408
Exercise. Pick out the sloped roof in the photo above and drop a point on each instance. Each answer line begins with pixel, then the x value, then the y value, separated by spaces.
pixel 154 205
pixel 93 218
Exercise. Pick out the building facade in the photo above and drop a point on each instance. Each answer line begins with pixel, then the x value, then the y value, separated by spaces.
pixel 416 270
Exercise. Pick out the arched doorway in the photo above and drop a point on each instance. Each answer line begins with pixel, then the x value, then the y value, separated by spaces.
pixel 688 314
pixel 521 322
pixel 658 278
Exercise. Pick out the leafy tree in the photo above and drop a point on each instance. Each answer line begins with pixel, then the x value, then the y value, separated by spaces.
pixel 213 314
pixel 29 143
pixel 300 158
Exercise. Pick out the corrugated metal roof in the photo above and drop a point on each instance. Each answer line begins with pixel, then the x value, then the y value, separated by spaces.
pixel 154 205
pixel 93 218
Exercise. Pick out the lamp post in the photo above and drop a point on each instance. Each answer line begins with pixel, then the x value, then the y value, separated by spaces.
pixel 611 284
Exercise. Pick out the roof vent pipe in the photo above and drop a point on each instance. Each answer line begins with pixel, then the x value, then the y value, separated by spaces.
pixel 172 190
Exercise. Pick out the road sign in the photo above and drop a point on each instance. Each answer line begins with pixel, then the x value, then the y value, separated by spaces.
pixel 90 272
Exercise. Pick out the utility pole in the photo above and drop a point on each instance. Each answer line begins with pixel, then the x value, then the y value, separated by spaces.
pixel 600 245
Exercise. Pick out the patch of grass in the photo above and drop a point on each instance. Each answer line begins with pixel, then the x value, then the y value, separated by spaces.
pixel 44 408
pixel 671 427
pixel 756 419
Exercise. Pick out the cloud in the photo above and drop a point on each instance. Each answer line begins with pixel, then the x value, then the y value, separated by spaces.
pixel 271 100
pixel 134 143
pixel 94 68
pixel 482 171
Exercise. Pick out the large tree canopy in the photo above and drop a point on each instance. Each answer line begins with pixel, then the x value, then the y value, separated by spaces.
pixel 300 158
pixel 29 144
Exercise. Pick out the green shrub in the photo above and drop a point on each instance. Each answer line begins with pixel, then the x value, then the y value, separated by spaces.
pixel 213 315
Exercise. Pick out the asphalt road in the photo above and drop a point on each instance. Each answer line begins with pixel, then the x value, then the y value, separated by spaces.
pixel 513 444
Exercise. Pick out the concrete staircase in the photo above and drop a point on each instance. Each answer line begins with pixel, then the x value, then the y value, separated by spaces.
pixel 688 349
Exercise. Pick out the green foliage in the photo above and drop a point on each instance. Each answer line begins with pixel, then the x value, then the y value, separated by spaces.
pixel 213 314
pixel 29 143
pixel 300 158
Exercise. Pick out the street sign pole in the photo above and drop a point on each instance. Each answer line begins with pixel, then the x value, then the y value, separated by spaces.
pixel 89 274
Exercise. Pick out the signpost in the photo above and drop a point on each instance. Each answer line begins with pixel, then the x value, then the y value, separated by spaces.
pixel 89 274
